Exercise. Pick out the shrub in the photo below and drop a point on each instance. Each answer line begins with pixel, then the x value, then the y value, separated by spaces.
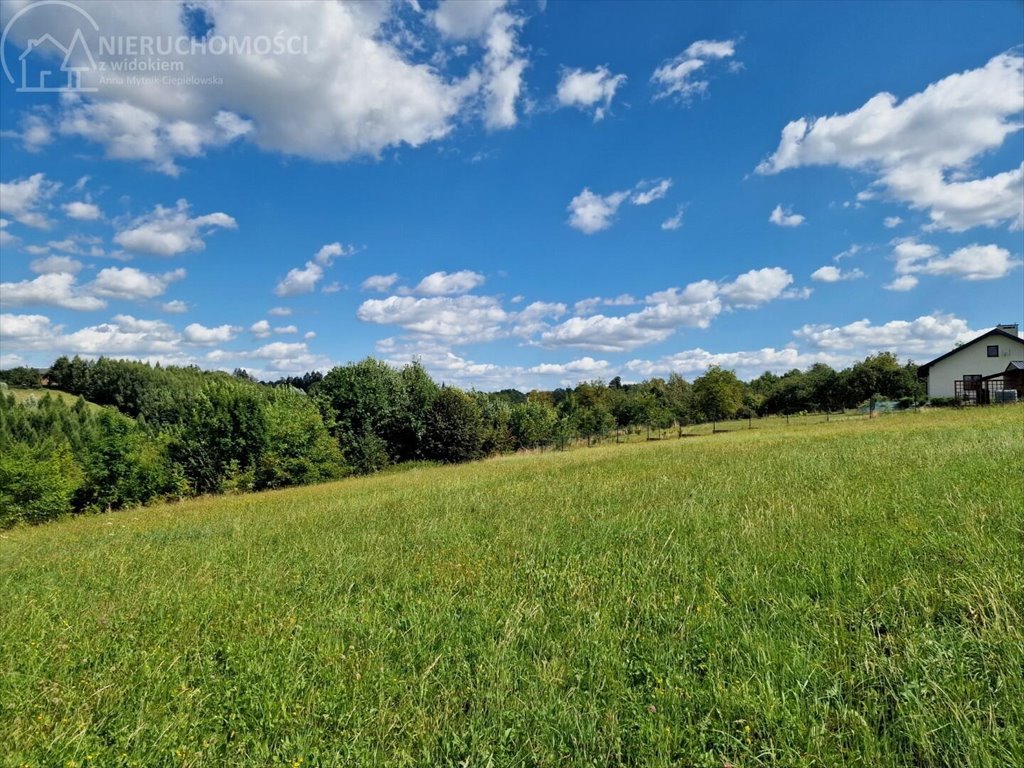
pixel 454 427
pixel 36 483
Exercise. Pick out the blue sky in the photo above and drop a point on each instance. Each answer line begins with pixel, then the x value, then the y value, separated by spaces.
pixel 516 194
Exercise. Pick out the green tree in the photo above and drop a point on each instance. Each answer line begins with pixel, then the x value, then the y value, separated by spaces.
pixel 367 409
pixel 299 448
pixel 533 423
pixel 454 427
pixel 718 394
pixel 37 483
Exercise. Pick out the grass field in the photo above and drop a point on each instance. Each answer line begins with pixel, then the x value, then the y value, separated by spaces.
pixel 835 594
pixel 22 394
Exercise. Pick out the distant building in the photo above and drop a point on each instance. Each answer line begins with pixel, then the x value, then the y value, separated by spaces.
pixel 979 370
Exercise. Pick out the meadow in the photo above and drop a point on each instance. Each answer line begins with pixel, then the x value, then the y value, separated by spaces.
pixel 830 594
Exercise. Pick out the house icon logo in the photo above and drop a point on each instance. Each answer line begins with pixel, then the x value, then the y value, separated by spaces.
pixel 48 64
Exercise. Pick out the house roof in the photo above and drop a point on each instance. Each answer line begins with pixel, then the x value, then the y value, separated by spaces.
pixel 923 370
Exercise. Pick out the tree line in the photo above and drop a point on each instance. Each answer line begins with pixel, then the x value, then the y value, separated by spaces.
pixel 138 432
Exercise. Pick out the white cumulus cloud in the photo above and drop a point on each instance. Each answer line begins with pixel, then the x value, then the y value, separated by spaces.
pixel 682 77
pixel 921 151
pixel 171 231
pixel 379 282
pixel 57 289
pixel 593 90
pixel 82 211
pixel 130 284
pixel 196 333
pixel 22 199
pixel 831 274
pixel 590 213
pixel 785 217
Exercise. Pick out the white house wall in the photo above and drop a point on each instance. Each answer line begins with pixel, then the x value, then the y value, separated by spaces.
pixel 972 359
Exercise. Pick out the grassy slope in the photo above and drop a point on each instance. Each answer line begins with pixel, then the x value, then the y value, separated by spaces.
pixel 826 595
pixel 21 394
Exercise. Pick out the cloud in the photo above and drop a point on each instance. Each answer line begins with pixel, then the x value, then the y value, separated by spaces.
pixel 448 283
pixel 260 329
pixel 590 213
pixel 21 199
pixel 77 244
pixel 830 274
pixel 891 222
pixel 329 252
pixel 927 334
pixel 673 223
pixel 618 334
pixel 679 77
pixel 286 329
pixel 447 366
pixel 194 333
pixel 35 133
pixel 757 286
pixel 464 21
pixel 649 191
pixel 973 262
pixel 132 284
pixel 279 311
pixel 921 150
pixel 379 282
pixel 58 289
pixel 785 218
pixel 301 280
pixel 177 306
pixel 533 318
pixel 283 358
pixel 664 312
pixel 711 49
pixel 355 72
pixel 584 366
pixel 587 306
pixel 82 211
pixel 31 329
pixel 694 306
pixel 498 78
pixel 154 341
pixel 125 335
pixel 52 264
pixel 836 346
pixel 902 283
pixel 464 318
pixel 589 90
pixel 171 231
pixel 747 364
pixel 6 238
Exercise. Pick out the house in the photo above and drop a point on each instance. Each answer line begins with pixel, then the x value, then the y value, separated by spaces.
pixel 974 371
pixel 1008 386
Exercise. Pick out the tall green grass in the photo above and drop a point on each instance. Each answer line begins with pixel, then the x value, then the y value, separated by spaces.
pixel 827 595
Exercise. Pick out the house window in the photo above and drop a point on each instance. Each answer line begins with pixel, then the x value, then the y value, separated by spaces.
pixel 972 382
pixel 993 350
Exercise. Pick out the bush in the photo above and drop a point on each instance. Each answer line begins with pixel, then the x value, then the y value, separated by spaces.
pixel 454 428
pixel 36 483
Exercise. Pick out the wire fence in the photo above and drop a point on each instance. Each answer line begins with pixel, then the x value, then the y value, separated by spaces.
pixel 639 434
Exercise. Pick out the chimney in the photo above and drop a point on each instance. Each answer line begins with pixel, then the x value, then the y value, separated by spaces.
pixel 1010 328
